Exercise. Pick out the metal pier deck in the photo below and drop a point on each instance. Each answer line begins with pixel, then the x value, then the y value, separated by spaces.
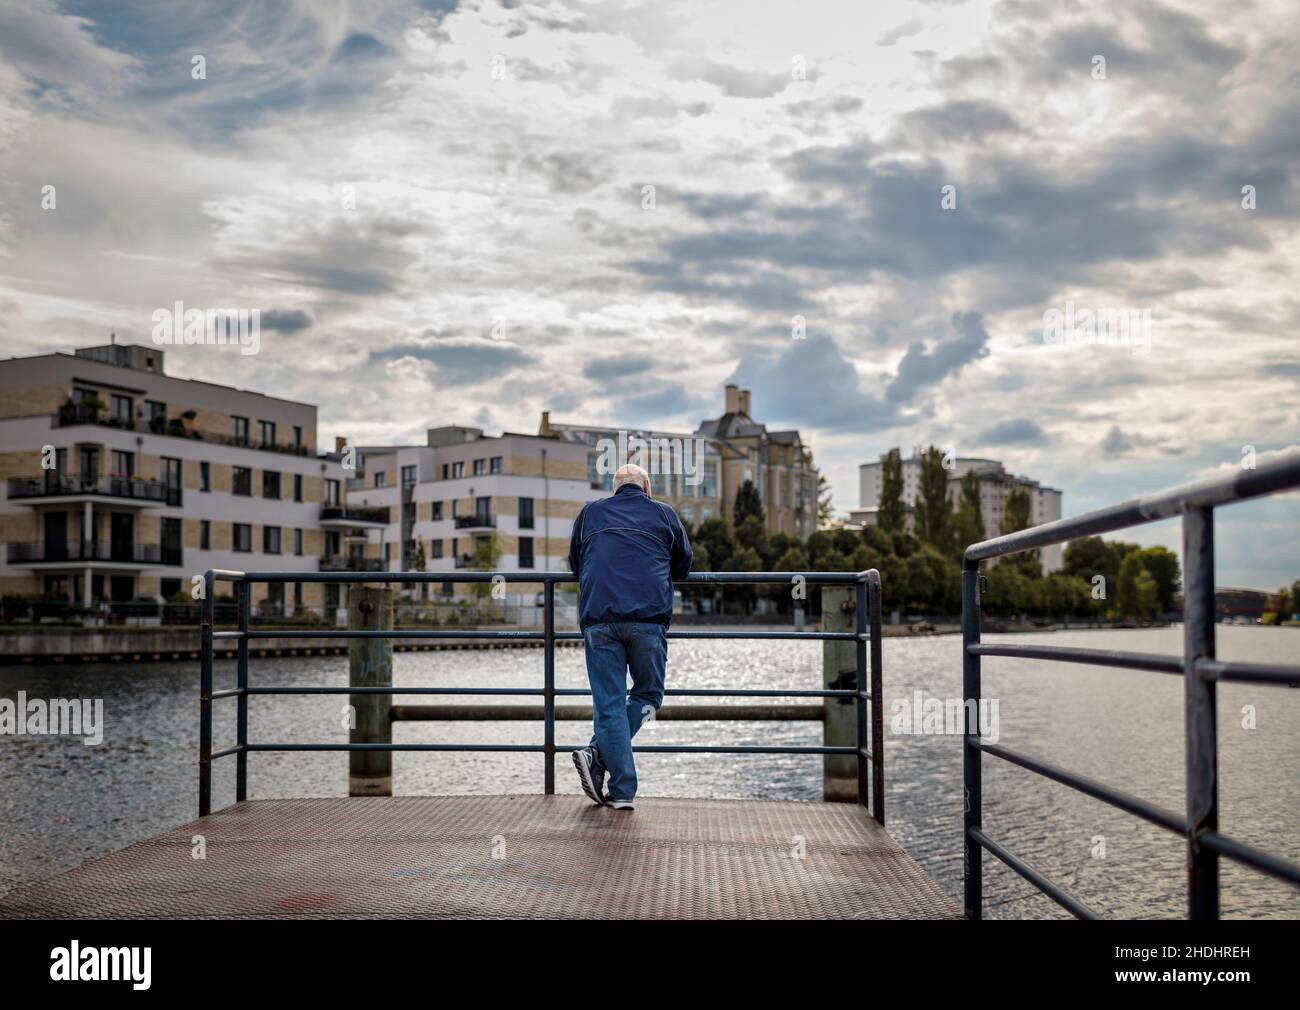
pixel 502 857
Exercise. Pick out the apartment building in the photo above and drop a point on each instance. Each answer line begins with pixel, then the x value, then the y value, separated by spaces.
pixel 122 482
pixel 462 490
pixel 736 448
pixel 996 485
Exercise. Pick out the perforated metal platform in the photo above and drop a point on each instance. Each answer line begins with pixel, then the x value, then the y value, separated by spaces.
pixel 498 857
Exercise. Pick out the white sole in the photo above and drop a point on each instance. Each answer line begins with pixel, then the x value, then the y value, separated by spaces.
pixel 588 783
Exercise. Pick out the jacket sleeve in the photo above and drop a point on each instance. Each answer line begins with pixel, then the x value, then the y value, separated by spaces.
pixel 682 556
pixel 575 543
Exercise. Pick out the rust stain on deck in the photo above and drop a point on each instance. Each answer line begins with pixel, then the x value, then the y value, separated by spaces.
pixel 502 857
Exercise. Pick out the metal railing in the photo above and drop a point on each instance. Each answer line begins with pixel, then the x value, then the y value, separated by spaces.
pixel 868 749
pixel 50 486
pixel 1198 667
pixel 122 552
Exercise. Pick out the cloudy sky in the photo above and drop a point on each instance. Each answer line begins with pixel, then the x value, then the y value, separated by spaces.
pixel 442 211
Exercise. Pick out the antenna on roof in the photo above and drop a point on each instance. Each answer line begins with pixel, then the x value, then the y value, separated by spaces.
pixel 112 337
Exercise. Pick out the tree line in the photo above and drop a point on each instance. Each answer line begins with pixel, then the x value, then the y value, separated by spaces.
pixel 920 568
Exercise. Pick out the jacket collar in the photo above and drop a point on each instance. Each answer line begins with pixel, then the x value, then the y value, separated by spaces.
pixel 629 487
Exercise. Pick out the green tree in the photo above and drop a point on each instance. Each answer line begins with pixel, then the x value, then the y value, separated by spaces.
pixel 747 504
pixel 486 558
pixel 933 510
pixel 715 537
pixel 968 520
pixel 892 516
pixel 1163 566
pixel 1137 595
pixel 1016 517
pixel 825 507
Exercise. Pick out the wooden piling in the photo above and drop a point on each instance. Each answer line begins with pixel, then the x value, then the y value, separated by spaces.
pixel 370 664
pixel 839 672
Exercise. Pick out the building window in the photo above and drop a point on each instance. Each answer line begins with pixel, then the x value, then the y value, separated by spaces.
pixel 270 483
pixel 525 513
pixel 457 470
pixel 123 408
pixel 706 514
pixel 455 507
pixel 709 486
pixel 240 432
pixel 266 432
pixel 297 437
pixel 331 491
pixel 157 415
pixel 688 515
pixel 435 548
pixel 480 467
pixel 270 539
pixel 444 471
pixel 494 464
pixel 169 530
pixel 408 475
pixel 123 464
pixel 297 487
pixel 241 537
pixel 436 511
pixel 241 480
pixel 205 535
pixel 381 479
pixel 88 462
pixel 593 477
pixel 388 551
pixel 167 588
pixel 297 542
pixel 205 476
pixel 525 552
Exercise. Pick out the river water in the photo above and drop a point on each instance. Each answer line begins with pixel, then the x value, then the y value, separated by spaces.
pixel 65 802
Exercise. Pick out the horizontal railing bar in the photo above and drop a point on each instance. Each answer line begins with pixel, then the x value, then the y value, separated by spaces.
pixel 1248 673
pixel 1098 657
pixel 1250 856
pixel 1063 898
pixel 227 752
pixel 540 748
pixel 563 691
pixel 1239 485
pixel 575 713
pixel 1140 808
pixel 233 692
pixel 461 575
pixel 518 636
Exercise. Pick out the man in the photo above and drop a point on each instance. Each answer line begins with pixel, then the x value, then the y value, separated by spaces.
pixel 627 550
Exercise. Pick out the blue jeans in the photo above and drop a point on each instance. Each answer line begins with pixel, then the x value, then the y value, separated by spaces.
pixel 612 650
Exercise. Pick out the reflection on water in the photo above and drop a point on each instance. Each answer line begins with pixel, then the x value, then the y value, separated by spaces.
pixel 65 802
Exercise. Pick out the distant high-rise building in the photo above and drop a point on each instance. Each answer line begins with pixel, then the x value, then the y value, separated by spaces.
pixel 996 484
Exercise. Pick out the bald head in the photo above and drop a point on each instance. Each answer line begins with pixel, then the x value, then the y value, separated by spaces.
pixel 630 473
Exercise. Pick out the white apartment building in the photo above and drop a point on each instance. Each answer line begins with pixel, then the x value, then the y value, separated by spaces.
pixel 122 482
pixel 996 484
pixel 462 489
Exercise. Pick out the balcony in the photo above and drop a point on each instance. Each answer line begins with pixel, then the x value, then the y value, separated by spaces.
pixel 477 521
pixel 149 492
pixel 346 563
pixel 101 551
pixel 464 560
pixel 71 414
pixel 342 517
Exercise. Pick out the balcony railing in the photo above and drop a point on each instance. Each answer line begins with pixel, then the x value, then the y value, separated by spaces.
pixel 94 550
pixel 361 515
pixel 74 414
pixel 464 560
pixel 135 488
pixel 479 520
pixel 342 563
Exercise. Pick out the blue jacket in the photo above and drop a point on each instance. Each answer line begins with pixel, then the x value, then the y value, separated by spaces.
pixel 627 550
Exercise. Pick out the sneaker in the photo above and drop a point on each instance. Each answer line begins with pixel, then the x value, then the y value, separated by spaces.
pixel 591 772
pixel 618 804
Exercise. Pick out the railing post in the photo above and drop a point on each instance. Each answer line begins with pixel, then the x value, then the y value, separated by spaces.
pixel 877 699
pixel 972 853
pixel 1202 725
pixel 244 594
pixel 548 696
pixel 205 698
pixel 370 664
pixel 860 685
